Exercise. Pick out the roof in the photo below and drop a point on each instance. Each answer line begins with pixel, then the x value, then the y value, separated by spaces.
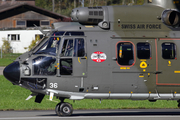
pixel 7 10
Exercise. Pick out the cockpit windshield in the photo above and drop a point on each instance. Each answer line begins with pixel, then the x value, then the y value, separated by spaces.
pixel 51 46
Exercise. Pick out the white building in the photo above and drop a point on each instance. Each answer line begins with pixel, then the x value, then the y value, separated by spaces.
pixel 18 16
pixel 19 39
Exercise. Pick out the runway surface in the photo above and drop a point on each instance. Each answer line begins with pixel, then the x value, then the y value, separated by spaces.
pixel 127 114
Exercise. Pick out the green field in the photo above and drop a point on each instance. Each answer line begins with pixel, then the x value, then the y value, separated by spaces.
pixel 13 98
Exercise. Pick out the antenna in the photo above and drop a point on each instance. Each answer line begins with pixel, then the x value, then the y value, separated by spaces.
pixel 82 2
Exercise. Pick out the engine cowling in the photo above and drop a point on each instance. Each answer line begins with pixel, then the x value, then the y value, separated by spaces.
pixel 91 16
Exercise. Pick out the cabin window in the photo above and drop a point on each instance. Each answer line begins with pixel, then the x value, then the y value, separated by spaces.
pixel 143 50
pixel 168 50
pixel 125 54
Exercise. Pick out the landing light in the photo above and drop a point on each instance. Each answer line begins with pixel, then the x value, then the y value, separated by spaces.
pixel 105 24
pixel 27 71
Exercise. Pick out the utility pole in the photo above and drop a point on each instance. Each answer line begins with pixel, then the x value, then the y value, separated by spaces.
pixel 123 3
pixel 1 51
pixel 82 2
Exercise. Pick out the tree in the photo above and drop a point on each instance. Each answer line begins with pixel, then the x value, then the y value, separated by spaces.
pixel 33 43
pixel 6 48
pixel 64 7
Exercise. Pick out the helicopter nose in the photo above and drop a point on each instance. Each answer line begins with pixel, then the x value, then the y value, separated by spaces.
pixel 12 72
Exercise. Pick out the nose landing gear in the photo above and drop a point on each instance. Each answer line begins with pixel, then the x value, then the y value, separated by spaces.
pixel 63 109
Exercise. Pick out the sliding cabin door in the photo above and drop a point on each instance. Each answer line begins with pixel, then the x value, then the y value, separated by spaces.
pixel 168 64
pixel 134 66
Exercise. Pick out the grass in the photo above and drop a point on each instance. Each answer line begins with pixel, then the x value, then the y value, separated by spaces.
pixel 13 98
pixel 8 58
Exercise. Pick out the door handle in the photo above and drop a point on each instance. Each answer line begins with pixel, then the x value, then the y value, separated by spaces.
pixel 157 72
pixel 114 58
pixel 84 58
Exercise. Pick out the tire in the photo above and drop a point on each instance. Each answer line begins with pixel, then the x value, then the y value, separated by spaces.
pixel 57 108
pixel 65 110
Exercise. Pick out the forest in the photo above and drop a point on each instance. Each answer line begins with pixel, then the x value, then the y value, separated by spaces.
pixel 64 7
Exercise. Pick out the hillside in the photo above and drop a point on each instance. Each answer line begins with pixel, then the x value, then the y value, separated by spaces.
pixel 64 7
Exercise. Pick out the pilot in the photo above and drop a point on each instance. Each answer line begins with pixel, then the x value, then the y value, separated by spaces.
pixel 80 48
pixel 55 44
pixel 52 69
pixel 69 50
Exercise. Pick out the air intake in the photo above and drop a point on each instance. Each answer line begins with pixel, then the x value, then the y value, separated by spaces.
pixel 171 18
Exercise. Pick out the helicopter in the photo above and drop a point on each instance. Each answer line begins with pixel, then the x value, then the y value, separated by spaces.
pixel 107 52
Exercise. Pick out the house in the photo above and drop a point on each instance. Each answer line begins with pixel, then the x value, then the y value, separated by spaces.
pixel 18 19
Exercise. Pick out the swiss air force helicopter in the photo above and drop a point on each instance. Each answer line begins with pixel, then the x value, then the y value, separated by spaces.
pixel 109 52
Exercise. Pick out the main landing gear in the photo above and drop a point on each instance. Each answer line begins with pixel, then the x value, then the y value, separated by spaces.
pixel 63 109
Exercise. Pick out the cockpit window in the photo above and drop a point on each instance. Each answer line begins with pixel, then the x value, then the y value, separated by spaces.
pixel 79 50
pixel 50 47
pixel 44 65
pixel 67 49
pixel 73 48
pixel 58 33
pixel 74 34
pixel 39 43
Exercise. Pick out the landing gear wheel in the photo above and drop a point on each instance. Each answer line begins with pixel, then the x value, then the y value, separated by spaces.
pixel 64 109
pixel 57 108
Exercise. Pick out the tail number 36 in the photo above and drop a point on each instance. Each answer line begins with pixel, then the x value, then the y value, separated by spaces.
pixel 53 85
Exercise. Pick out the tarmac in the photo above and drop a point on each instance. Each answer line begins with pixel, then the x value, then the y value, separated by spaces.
pixel 119 114
pixel 1 70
